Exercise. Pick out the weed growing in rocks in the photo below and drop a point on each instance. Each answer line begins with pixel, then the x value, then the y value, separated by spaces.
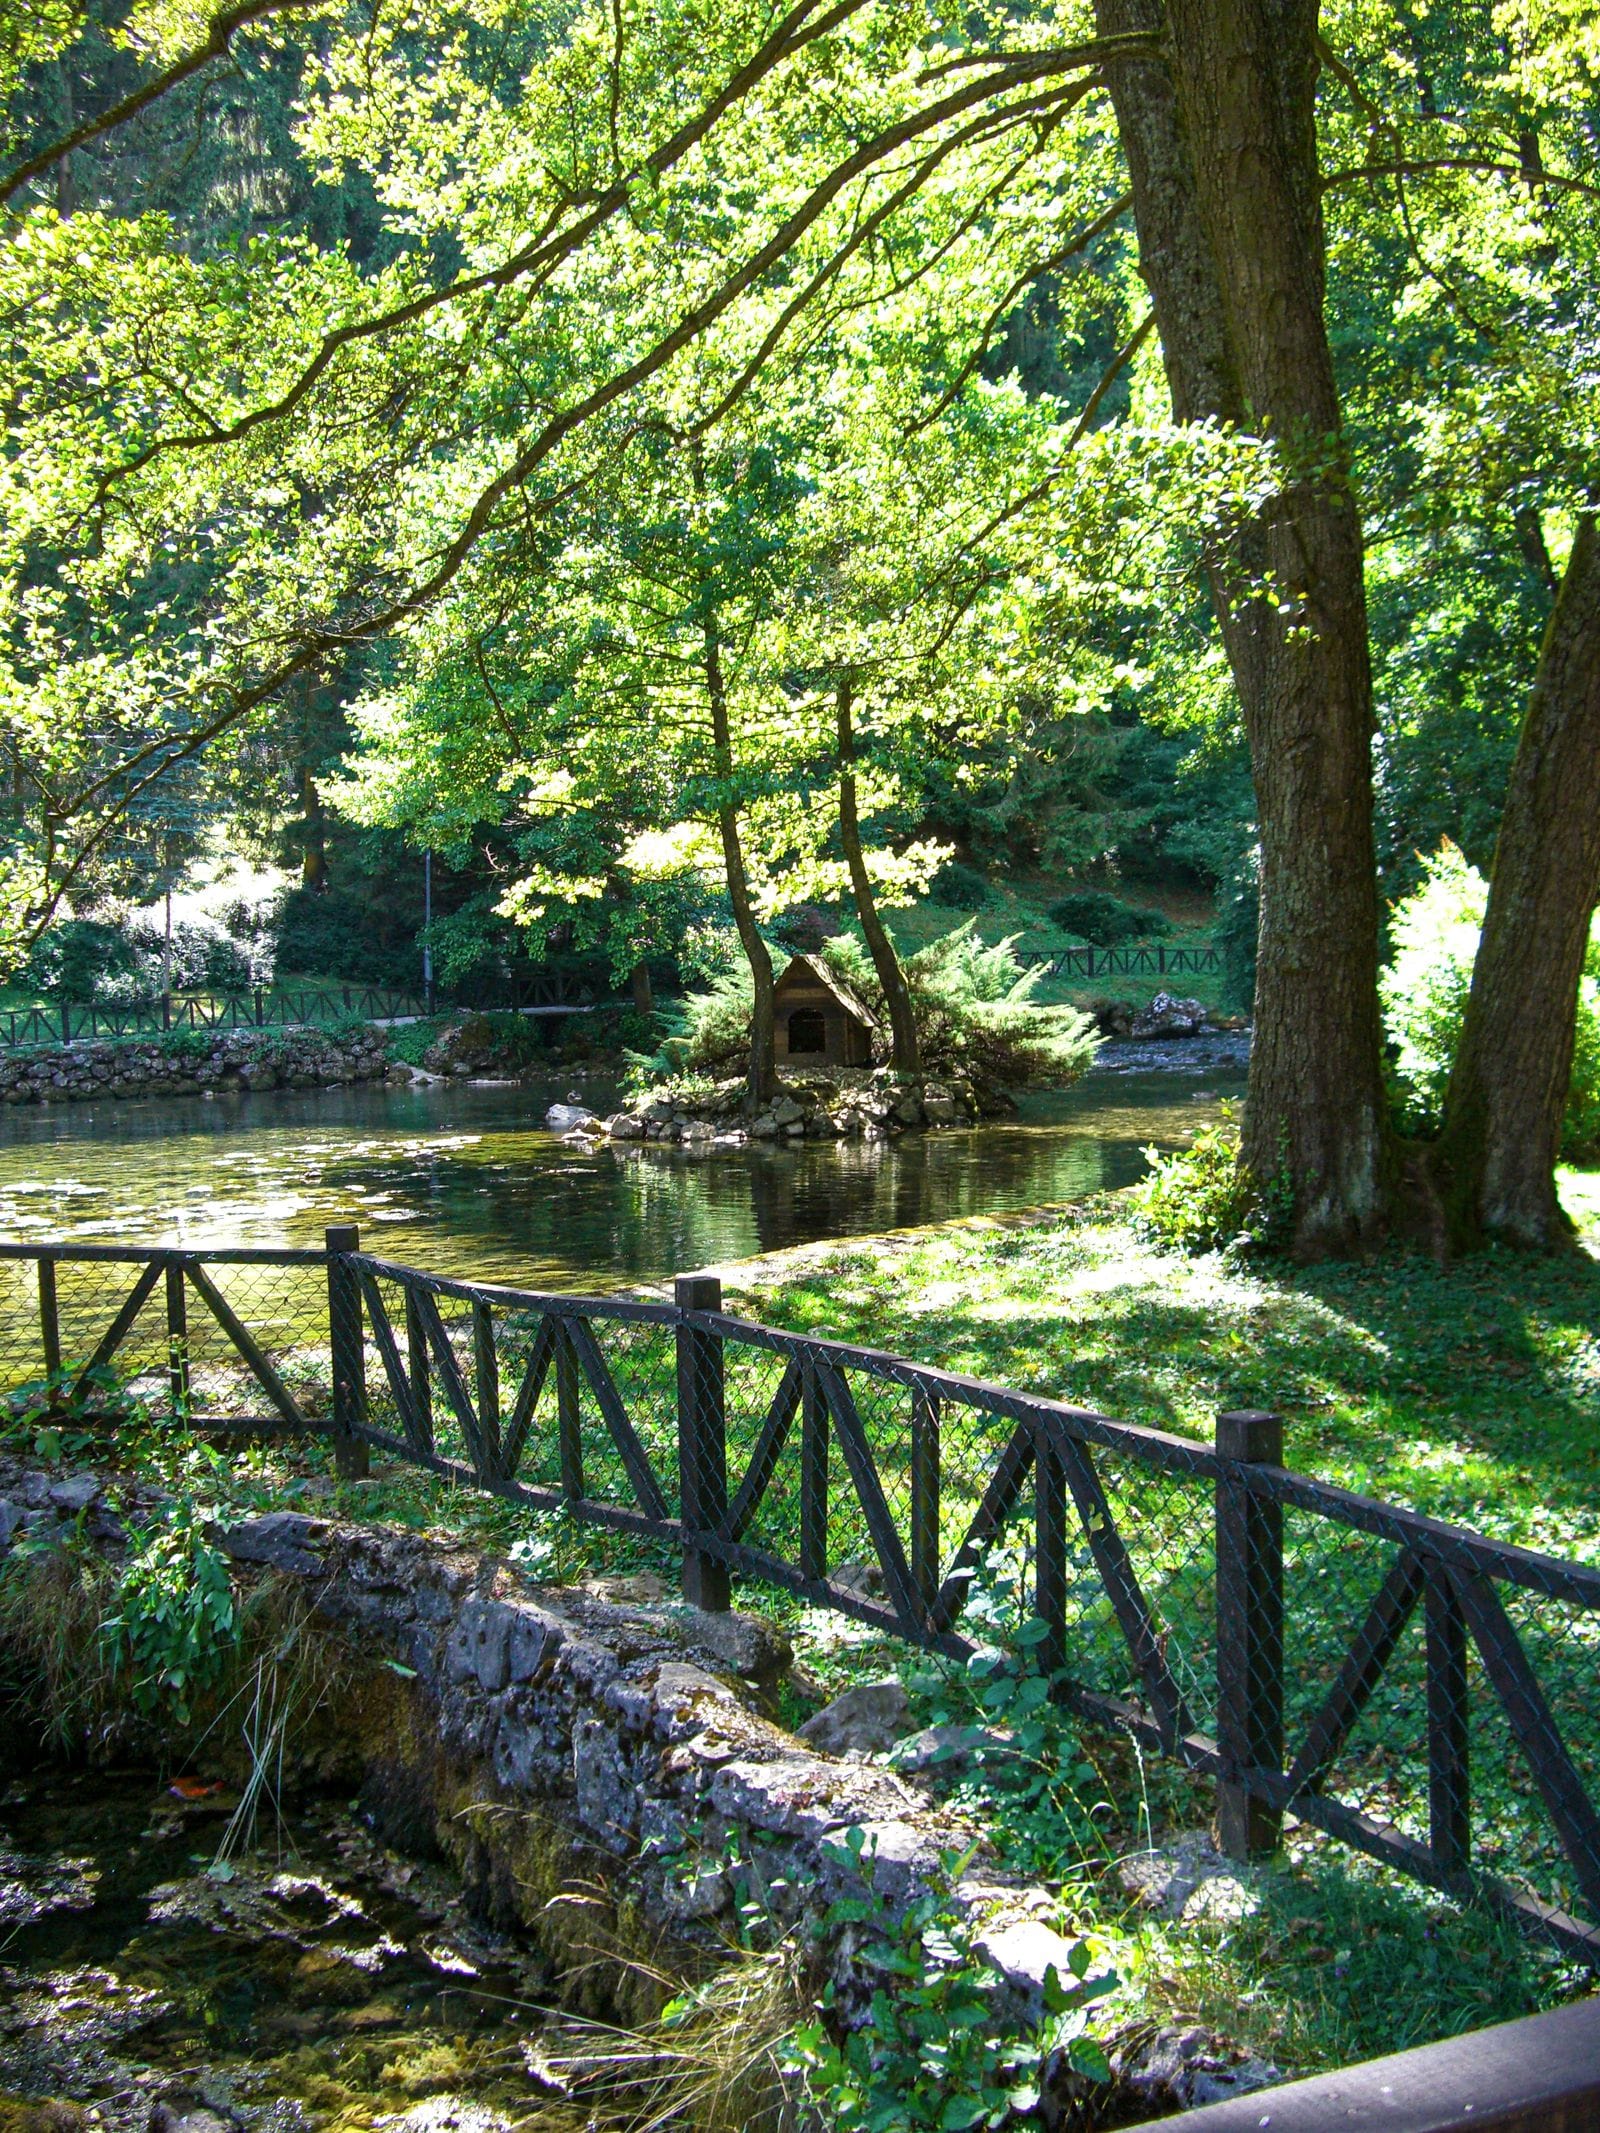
pixel 933 2050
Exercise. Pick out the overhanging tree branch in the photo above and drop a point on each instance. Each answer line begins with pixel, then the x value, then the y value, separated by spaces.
pixel 223 27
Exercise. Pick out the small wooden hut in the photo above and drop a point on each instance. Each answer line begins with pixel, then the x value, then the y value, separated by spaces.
pixel 820 1021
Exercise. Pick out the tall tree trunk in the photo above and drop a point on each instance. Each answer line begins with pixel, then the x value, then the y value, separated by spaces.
pixel 1221 147
pixel 763 1071
pixel 314 835
pixel 1508 1086
pixel 644 999
pixel 896 993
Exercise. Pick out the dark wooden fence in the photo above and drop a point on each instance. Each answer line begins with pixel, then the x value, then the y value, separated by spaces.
pixel 1414 1689
pixel 1142 959
pixel 551 990
pixel 1539 2075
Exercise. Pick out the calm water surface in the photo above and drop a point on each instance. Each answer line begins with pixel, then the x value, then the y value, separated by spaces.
pixel 465 1180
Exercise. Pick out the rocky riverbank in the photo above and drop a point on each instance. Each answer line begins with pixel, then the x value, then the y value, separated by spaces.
pixel 192 1062
pixel 845 1103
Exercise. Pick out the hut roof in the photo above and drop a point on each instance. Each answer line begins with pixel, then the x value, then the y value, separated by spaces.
pixel 812 966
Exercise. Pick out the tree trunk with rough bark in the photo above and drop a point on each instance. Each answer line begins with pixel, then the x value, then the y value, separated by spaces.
pixel 896 993
pixel 313 835
pixel 1220 140
pixel 763 1070
pixel 1508 1085
pixel 642 991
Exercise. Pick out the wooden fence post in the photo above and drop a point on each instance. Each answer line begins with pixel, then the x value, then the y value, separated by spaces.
pixel 925 1476
pixel 702 1443
pixel 49 1317
pixel 486 1369
pixel 569 1414
pixel 813 1474
pixel 1249 1634
pixel 418 1371
pixel 347 1353
pixel 1050 1551
pixel 177 1341
pixel 1449 1786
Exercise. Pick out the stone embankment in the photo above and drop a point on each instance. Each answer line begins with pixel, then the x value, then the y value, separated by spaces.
pixel 190 1064
pixel 846 1103
pixel 600 1766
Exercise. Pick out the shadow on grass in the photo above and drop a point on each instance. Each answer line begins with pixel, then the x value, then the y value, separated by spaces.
pixel 1471 1392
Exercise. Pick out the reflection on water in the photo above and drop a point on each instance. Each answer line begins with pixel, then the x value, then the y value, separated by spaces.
pixel 465 1180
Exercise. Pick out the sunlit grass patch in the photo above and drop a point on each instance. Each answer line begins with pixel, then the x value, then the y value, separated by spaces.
pixel 1471 1391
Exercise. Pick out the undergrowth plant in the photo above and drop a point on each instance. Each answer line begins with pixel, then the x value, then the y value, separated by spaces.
pixel 977 1010
pixel 1202 1199
pixel 932 2050
pixel 175 1619
pixel 1424 993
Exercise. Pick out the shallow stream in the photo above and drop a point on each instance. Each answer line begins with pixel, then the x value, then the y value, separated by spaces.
pixel 328 1984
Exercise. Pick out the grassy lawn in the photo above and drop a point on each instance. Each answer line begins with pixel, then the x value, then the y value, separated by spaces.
pixel 1470 1392
pixel 1017 905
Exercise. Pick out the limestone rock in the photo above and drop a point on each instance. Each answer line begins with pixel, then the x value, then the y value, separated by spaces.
pixel 1180 2069
pixel 949 1750
pixel 744 1644
pixel 565 1118
pixel 1192 1881
pixel 282 1540
pixel 1025 1951
pixel 75 1494
pixel 1168 1016
pixel 871 1718
pixel 625 1126
pixel 865 1580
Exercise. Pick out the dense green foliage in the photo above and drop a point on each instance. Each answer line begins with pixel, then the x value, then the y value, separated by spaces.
pixel 1424 989
pixel 933 2055
pixel 678 465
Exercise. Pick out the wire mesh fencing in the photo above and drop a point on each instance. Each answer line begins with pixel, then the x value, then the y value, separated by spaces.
pixel 1407 1687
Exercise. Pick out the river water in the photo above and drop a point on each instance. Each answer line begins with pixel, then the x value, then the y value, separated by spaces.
pixel 320 1982
pixel 465 1180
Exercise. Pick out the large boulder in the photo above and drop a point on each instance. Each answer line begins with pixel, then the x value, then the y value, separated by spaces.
pixel 566 1118
pixel 1168 1016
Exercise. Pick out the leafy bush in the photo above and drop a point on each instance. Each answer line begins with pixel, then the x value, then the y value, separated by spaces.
pixel 204 958
pixel 1238 924
pixel 1102 919
pixel 327 934
pixel 932 2052
pixel 82 961
pixel 1424 993
pixel 978 1012
pixel 1201 1200
pixel 959 887
pixel 175 1621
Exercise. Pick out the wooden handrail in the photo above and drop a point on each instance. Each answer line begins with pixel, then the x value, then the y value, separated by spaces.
pixel 1539 2075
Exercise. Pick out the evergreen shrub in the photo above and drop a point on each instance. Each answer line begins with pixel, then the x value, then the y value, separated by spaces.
pixel 959 887
pixel 975 1005
pixel 1094 915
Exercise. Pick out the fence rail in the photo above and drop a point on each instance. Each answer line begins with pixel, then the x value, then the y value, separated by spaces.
pixel 547 989
pixel 1417 1690
pixel 1143 959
